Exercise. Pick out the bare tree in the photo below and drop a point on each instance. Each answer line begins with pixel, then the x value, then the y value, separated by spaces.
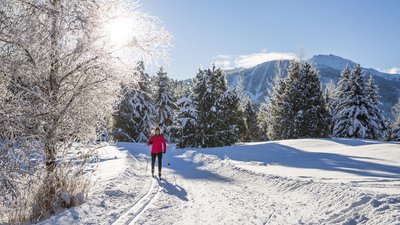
pixel 60 75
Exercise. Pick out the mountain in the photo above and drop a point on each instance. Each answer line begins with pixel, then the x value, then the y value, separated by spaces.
pixel 259 80
pixel 338 63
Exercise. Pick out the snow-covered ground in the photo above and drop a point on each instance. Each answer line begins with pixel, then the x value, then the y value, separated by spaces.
pixel 306 181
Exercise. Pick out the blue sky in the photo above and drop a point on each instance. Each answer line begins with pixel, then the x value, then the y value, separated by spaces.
pixel 244 32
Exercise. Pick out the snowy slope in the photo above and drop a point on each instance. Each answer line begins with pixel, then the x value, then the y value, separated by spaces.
pixel 332 61
pixel 306 181
pixel 338 63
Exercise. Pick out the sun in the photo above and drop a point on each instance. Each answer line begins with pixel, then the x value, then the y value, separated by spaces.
pixel 120 31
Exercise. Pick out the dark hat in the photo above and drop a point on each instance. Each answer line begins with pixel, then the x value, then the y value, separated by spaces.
pixel 157 128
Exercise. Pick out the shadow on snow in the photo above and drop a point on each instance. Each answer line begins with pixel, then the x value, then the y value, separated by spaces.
pixel 178 164
pixel 278 154
pixel 174 189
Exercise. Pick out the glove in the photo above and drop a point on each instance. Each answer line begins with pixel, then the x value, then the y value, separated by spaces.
pixel 164 151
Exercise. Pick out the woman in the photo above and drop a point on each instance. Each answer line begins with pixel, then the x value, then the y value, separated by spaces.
pixel 159 146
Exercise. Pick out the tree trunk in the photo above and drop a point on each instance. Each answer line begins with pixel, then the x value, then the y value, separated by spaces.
pixel 53 88
pixel 50 146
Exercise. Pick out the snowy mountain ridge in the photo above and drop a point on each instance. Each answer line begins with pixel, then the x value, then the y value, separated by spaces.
pixel 258 80
pixel 338 63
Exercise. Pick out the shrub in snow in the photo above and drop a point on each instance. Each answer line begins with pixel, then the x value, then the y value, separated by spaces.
pixel 69 200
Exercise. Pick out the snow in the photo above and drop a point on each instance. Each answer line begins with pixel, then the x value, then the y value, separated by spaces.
pixel 339 63
pixel 117 182
pixel 304 181
pixel 332 61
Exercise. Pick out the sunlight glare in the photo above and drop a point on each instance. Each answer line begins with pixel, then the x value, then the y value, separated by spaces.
pixel 120 31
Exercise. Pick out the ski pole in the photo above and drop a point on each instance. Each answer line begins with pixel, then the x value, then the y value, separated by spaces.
pixel 147 165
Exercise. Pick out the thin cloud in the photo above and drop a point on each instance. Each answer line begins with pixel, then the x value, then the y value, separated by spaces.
pixel 394 70
pixel 250 60
pixel 225 64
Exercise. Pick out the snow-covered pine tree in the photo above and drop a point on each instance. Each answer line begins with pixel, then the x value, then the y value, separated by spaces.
pixel 356 110
pixel 396 125
pixel 210 125
pixel 135 114
pixel 124 127
pixel 187 122
pixel 351 117
pixel 377 126
pixel 230 118
pixel 262 118
pixel 329 95
pixel 211 111
pixel 264 115
pixel 143 104
pixel 180 88
pixel 341 92
pixel 277 110
pixel 243 97
pixel 293 100
pixel 164 103
pixel 315 118
pixel 297 108
pixel 250 115
pixel 200 85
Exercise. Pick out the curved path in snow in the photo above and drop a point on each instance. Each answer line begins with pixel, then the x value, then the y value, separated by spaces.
pixel 289 182
pixel 134 212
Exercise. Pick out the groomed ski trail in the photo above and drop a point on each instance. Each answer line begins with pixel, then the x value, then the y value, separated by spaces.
pixel 134 212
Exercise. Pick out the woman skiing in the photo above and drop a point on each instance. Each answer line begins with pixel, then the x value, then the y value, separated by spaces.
pixel 159 146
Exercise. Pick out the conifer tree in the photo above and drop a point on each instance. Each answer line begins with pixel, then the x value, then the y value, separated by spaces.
pixel 243 98
pixel 125 128
pixel 329 95
pixel 250 115
pixel 229 118
pixel 356 111
pixel 164 103
pixel 262 118
pixel 216 115
pixel 186 122
pixel 378 126
pixel 343 89
pixel 315 118
pixel 277 110
pixel 135 114
pixel 297 108
pixel 396 125
pixel 351 116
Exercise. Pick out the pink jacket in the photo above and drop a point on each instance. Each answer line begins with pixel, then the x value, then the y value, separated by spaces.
pixel 158 144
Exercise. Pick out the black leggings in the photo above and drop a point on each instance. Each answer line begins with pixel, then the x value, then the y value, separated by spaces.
pixel 153 161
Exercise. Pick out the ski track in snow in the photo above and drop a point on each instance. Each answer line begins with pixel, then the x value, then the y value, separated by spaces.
pixel 134 212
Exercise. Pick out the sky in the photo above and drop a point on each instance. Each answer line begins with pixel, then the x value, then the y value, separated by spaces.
pixel 243 33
